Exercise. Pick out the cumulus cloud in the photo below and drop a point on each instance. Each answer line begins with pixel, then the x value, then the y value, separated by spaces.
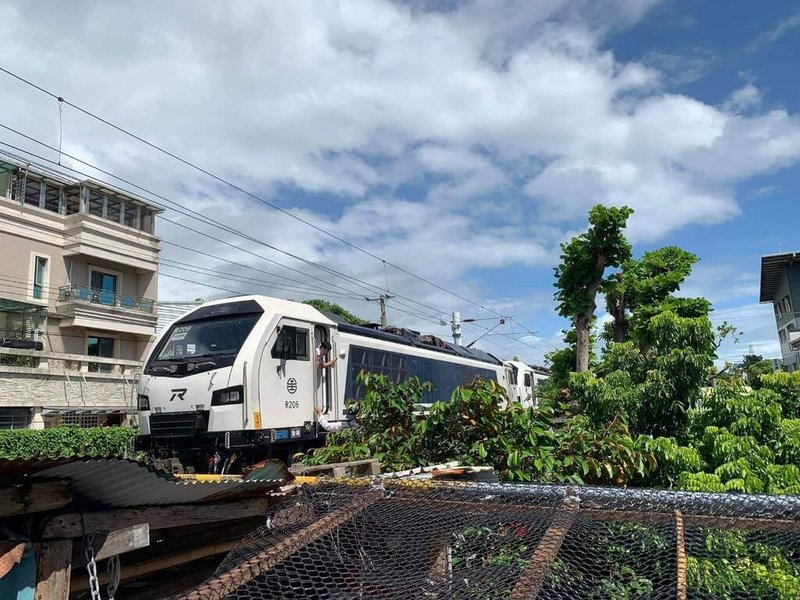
pixel 748 96
pixel 450 138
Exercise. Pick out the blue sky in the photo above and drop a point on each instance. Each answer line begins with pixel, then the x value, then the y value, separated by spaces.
pixel 460 141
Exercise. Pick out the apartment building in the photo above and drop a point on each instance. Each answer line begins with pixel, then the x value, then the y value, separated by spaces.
pixel 78 275
pixel 780 285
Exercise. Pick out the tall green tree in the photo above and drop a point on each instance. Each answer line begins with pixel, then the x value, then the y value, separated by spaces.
pixel 647 281
pixel 579 276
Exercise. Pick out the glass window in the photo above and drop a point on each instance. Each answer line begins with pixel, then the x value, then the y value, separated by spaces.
pixel 15 418
pixel 527 381
pixel 33 192
pixel 52 197
pixel 96 202
pixel 292 344
pixel 220 336
pixel 104 287
pixel 103 347
pixel 5 182
pixel 130 214
pixel 73 200
pixel 112 209
pixel 39 276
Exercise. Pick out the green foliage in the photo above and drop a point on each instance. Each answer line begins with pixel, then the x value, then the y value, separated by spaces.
pixel 672 459
pixel 788 445
pixel 67 441
pixel 753 367
pixel 579 275
pixel 585 257
pixel 654 379
pixel 386 425
pixel 737 566
pixel 478 426
pixel 787 386
pixel 609 454
pixel 332 307
pixel 645 282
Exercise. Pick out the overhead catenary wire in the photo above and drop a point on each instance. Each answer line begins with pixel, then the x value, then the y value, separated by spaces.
pixel 236 187
pixel 250 281
pixel 206 220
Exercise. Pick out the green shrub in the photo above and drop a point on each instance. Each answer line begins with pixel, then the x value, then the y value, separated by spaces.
pixel 787 387
pixel 67 441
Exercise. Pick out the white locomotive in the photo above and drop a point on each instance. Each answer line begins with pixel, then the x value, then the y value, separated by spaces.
pixel 241 376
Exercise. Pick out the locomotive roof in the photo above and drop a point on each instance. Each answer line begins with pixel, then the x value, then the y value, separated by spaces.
pixel 411 338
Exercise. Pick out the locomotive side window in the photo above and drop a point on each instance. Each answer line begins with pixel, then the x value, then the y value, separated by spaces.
pixel 527 380
pixel 292 344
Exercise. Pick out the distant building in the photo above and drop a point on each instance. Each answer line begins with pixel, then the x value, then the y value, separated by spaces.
pixel 170 311
pixel 79 274
pixel 780 285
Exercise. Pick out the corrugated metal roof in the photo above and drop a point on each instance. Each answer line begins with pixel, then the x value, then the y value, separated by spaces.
pixel 122 483
pixel 772 272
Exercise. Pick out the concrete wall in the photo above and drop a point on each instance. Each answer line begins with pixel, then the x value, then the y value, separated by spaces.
pixel 789 286
pixel 16 268
pixel 26 390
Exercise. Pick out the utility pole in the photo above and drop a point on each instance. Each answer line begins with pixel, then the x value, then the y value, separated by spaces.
pixel 382 299
pixel 456 325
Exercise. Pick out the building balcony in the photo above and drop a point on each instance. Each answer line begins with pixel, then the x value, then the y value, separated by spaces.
pixel 83 306
pixel 82 293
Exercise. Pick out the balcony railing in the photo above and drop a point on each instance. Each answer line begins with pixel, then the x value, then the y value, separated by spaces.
pixel 82 293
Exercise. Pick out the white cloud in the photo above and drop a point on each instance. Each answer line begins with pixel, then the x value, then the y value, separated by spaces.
pixel 744 98
pixel 773 35
pixel 756 326
pixel 505 119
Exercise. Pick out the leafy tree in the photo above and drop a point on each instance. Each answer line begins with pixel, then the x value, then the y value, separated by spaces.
pixel 647 281
pixel 753 367
pixel 331 307
pixel 787 386
pixel 579 276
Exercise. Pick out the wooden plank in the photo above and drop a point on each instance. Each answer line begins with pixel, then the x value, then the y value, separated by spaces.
pixel 54 561
pixel 532 578
pixel 303 469
pixel 136 570
pixel 157 517
pixel 227 583
pixel 681 558
pixel 34 497
pixel 114 543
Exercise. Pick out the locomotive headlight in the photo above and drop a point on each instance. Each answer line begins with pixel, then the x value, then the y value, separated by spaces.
pixel 234 395
pixel 143 402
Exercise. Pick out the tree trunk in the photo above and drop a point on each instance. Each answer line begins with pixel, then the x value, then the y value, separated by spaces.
pixel 582 326
pixel 617 311
pixel 583 323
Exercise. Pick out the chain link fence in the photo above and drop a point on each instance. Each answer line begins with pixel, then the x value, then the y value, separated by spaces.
pixel 404 540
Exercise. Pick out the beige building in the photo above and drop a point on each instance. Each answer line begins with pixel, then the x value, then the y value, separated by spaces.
pixel 79 274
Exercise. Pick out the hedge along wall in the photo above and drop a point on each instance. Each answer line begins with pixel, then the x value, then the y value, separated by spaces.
pixel 67 441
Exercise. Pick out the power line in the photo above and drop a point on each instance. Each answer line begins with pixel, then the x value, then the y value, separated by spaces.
pixel 203 219
pixel 232 185
pixel 208 221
